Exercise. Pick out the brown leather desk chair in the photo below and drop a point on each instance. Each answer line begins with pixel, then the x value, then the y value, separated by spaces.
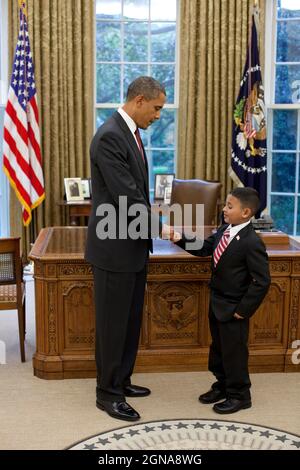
pixel 198 192
pixel 11 286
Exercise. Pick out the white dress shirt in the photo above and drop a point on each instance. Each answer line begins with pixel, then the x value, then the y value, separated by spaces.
pixel 235 230
pixel 130 123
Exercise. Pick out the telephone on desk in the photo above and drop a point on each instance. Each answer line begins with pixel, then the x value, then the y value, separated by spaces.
pixel 264 223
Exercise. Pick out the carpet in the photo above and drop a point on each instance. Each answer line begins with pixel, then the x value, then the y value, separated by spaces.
pixel 191 434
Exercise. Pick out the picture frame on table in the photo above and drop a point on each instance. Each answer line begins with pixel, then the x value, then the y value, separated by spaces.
pixel 86 188
pixel 73 189
pixel 162 181
pixel 167 196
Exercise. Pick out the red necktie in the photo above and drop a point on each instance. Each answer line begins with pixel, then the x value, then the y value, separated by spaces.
pixel 140 145
pixel 222 245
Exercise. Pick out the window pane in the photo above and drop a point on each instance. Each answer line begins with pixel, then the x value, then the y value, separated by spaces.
pixel 287 83
pixel 163 10
pixel 282 212
pixel 288 41
pixel 102 114
pixel 108 41
pixel 284 172
pixel 134 38
pixel 135 42
pixel 108 83
pixel 106 9
pixel 284 130
pixel 163 130
pixel 165 74
pixel 163 38
pixel 298 218
pixel 288 9
pixel 136 9
pixel 162 161
pixel 131 72
pixel 4 189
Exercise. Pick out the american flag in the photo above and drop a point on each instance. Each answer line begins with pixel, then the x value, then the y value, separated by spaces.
pixel 22 160
pixel 249 136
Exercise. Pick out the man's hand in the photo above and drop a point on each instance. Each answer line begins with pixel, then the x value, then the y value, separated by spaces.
pixel 238 317
pixel 168 233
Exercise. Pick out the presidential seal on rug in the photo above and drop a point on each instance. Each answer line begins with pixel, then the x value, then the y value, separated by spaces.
pixel 191 434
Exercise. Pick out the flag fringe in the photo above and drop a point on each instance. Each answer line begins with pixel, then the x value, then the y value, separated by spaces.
pixel 21 200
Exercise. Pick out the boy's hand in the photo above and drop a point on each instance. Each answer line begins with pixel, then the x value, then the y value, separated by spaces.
pixel 168 233
pixel 238 317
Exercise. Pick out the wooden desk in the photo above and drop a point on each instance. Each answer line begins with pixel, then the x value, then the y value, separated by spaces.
pixel 175 334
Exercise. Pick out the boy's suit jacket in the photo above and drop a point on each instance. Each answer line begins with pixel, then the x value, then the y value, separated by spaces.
pixel 241 278
pixel 117 169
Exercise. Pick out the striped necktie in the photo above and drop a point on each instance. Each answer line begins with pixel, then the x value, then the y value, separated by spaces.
pixel 139 141
pixel 221 247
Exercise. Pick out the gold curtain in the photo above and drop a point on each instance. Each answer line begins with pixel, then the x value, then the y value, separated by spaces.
pixel 62 42
pixel 213 43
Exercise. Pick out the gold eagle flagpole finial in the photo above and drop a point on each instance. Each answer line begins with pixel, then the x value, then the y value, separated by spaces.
pixel 22 5
pixel 256 11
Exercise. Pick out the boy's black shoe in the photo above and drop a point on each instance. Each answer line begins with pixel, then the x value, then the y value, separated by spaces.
pixel 212 396
pixel 231 405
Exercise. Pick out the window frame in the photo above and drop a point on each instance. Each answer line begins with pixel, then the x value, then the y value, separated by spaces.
pixel 270 86
pixel 3 57
pixel 174 106
pixel 4 184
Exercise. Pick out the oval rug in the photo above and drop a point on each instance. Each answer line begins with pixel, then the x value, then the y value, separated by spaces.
pixel 191 434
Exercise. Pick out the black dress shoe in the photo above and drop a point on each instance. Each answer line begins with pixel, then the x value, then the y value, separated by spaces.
pixel 119 410
pixel 136 391
pixel 231 405
pixel 212 396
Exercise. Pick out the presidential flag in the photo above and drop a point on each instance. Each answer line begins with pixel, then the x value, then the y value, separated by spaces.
pixel 22 160
pixel 249 140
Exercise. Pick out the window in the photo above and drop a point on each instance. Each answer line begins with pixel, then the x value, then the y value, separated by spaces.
pixel 283 102
pixel 4 186
pixel 133 38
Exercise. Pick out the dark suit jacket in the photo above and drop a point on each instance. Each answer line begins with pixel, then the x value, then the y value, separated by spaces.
pixel 241 278
pixel 117 169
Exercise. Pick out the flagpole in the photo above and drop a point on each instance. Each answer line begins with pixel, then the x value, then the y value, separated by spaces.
pixel 249 145
pixel 22 160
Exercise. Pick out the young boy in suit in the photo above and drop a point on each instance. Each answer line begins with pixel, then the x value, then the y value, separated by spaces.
pixel 239 282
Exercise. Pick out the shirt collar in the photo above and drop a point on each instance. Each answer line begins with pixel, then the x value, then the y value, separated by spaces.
pixel 237 228
pixel 129 121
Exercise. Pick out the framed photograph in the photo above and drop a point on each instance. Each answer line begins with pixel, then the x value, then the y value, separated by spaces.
pixel 162 181
pixel 86 188
pixel 73 189
pixel 167 196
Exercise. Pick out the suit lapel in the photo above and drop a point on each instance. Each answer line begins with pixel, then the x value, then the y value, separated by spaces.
pixel 146 168
pixel 233 244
